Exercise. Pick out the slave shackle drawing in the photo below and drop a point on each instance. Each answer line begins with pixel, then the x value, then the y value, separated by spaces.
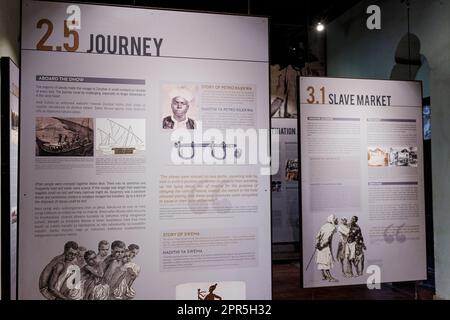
pixel 212 145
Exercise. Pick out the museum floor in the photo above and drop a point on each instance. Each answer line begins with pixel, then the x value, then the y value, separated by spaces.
pixel 286 286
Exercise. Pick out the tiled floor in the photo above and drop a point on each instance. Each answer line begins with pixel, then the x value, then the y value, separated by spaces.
pixel 286 286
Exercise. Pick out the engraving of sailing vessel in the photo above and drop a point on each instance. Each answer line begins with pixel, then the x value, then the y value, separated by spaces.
pixel 120 136
pixel 67 137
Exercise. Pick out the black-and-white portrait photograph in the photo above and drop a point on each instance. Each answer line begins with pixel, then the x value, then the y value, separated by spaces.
pixel 179 107
pixel 66 137
pixel 79 273
pixel 350 251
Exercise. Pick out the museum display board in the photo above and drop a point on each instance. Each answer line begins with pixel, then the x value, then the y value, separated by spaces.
pixel 284 112
pixel 285 202
pixel 9 152
pixel 362 183
pixel 136 176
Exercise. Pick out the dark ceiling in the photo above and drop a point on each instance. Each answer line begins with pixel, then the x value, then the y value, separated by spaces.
pixel 295 12
pixel 289 19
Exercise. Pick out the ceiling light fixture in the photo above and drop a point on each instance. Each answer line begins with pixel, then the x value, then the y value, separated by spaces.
pixel 320 27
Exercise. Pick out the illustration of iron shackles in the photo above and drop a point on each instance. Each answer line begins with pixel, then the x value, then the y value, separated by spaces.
pixel 212 145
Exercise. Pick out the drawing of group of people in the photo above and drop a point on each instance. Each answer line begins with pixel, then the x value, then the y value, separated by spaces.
pixel 350 251
pixel 81 274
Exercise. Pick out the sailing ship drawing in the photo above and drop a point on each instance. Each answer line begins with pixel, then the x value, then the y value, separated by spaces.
pixel 120 136
pixel 69 137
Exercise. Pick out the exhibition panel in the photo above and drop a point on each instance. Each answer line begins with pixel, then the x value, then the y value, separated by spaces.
pixel 284 113
pixel 224 150
pixel 145 168
pixel 362 181
pixel 285 201
pixel 9 154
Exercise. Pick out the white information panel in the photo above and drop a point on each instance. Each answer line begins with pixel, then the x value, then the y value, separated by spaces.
pixel 285 204
pixel 137 178
pixel 362 181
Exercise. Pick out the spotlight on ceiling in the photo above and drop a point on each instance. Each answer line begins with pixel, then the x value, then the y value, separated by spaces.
pixel 320 27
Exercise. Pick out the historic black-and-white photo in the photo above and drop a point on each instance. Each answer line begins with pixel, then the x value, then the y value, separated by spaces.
pixel 67 137
pixel 181 107
pixel 84 274
pixel 403 156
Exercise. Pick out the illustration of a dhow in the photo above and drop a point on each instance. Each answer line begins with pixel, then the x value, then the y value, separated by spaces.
pixel 118 139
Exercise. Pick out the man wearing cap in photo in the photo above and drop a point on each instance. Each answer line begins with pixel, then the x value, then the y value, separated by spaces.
pixel 180 102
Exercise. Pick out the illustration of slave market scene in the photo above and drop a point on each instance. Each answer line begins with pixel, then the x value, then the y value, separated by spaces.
pixel 350 248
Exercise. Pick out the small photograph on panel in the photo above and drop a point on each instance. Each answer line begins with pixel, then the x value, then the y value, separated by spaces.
pixel 65 137
pixel 119 136
pixel 276 186
pixel 179 106
pixel 377 157
pixel 13 215
pixel 82 273
pixel 225 290
pixel 403 156
pixel 426 120
pixel 291 170
pixel 14 127
pixel 14 120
